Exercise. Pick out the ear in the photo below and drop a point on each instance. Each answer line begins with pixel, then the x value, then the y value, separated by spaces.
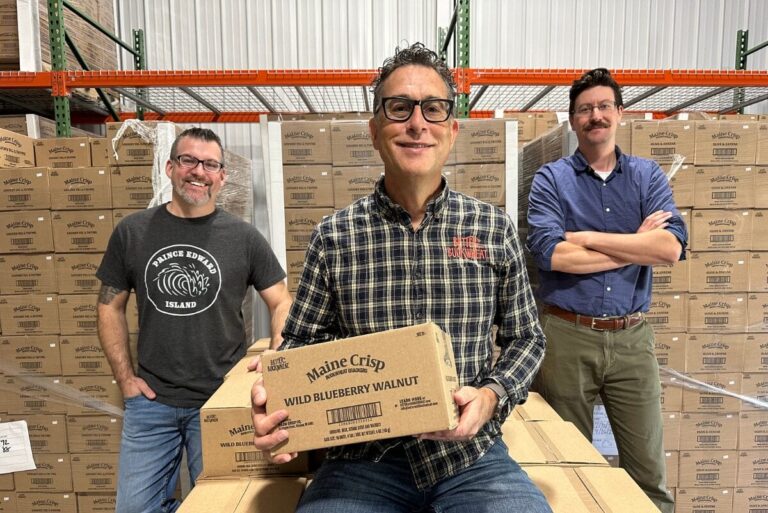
pixel 454 130
pixel 168 168
pixel 374 129
pixel 223 175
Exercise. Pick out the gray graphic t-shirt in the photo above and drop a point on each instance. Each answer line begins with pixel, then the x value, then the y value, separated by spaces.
pixel 190 277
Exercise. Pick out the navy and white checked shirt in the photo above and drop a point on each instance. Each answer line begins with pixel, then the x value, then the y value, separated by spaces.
pixel 367 270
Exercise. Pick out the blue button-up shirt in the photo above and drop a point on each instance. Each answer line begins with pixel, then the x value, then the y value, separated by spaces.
pixel 567 196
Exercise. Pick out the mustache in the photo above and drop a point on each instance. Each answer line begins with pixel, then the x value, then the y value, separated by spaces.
pixel 598 124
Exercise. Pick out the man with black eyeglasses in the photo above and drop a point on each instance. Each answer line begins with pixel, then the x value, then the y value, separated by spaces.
pixel 598 220
pixel 415 251
pixel 190 265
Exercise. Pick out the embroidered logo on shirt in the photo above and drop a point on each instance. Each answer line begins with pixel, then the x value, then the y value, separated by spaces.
pixel 182 280
pixel 468 248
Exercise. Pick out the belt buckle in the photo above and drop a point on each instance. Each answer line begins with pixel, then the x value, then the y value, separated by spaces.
pixel 594 327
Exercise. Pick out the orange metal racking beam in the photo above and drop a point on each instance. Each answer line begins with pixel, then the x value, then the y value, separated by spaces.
pixel 351 77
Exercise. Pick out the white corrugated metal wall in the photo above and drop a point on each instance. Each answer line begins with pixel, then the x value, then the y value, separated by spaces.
pixel 346 34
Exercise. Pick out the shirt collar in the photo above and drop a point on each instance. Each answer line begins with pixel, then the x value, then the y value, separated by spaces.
pixel 580 164
pixel 389 209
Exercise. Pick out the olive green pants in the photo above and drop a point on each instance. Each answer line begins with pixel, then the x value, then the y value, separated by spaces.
pixel 621 367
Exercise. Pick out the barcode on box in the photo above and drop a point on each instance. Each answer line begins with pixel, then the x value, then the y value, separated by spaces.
pixel 657 320
pixel 721 238
pixel 101 481
pixel 361 154
pixel 660 280
pixel 137 152
pixel 26 241
pixel 662 360
pixel 82 241
pixel 715 321
pixel 247 456
pixel 35 404
pixel 710 400
pixel 144 196
pixel 298 152
pixel 11 158
pixel 29 324
pixel 479 150
pixel 85 284
pixel 91 325
pixel 708 439
pixel 26 284
pixel 662 151
pixel 90 365
pixel 79 198
pixel 724 195
pixel 302 195
pixel 31 365
pixel 708 476
pixel 41 481
pixel 718 279
pixel 357 412
pixel 64 164
pixel 714 360
pixel 16 198
pixel 724 152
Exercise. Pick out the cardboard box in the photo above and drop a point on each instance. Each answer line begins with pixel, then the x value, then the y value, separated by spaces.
pixel 721 230
pixel 681 183
pixel 294 266
pixel 26 231
pixel 80 188
pixel 669 349
pixel 241 367
pixel 131 186
pixel 710 397
pixel 352 144
pixel 259 346
pixel 77 314
pixel 750 500
pixel 94 433
pixel 704 500
pixel 16 150
pixel 548 443
pixel 671 458
pixel 38 502
pixel 758 271
pixel 93 395
pixel 43 395
pixel 714 352
pixel 382 385
pixel 63 152
pixel 76 272
pixel 756 352
pixel 757 316
pixel 307 186
pixel 119 214
pixel 589 490
pixel 762 142
pixel 130 149
pixel 535 408
pixel 31 355
pixel 96 502
pixel 486 182
pixel 99 151
pixel 760 230
pixel 25 189
pixel 668 312
pixel 761 184
pixel 480 141
pixel 724 187
pixel 671 427
pixel 624 136
pixel 29 314
pixel 27 274
pixel 82 355
pixel 306 142
pixel 227 434
pixel 671 396
pixel 95 472
pixel 53 474
pixel 663 141
pixel 708 468
pixel 753 430
pixel 544 122
pixel 718 271
pixel 47 433
pixel 753 469
pixel 726 142
pixel 81 231
pixel 8 499
pixel 717 313
pixel 709 431
pixel 754 391
pixel 352 183
pixel 262 495
pixel 672 277
pixel 526 124
pixel 299 224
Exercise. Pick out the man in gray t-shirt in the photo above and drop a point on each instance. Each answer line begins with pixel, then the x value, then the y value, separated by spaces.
pixel 190 265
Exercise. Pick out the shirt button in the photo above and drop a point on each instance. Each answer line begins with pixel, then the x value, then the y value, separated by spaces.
pixel 605 184
pixel 608 209
pixel 608 289
pixel 418 315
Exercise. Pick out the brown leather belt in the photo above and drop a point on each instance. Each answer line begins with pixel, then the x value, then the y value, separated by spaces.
pixel 596 323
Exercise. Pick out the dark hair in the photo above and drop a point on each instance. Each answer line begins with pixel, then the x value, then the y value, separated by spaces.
pixel 590 79
pixel 203 134
pixel 416 54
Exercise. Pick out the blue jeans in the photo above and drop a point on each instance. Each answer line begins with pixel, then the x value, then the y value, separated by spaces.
pixel 493 484
pixel 154 436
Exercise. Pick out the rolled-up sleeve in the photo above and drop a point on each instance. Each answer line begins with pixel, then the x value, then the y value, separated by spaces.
pixel 659 197
pixel 546 220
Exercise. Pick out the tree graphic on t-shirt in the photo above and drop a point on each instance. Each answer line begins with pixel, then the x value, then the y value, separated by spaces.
pixel 178 280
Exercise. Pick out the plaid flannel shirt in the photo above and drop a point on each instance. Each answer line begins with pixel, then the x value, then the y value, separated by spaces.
pixel 367 270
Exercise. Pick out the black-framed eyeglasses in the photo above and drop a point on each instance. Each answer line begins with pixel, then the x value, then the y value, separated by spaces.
pixel 190 162
pixel 434 110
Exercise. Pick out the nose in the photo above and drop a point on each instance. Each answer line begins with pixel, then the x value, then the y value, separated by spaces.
pixel 416 122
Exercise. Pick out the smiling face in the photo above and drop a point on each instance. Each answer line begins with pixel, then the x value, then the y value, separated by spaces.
pixel 595 128
pixel 414 148
pixel 195 188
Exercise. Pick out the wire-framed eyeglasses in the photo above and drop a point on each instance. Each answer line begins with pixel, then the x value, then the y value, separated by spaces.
pixel 399 109
pixel 190 162
pixel 606 107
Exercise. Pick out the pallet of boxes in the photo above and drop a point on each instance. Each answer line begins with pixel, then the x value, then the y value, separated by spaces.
pixel 56 217
pixel 709 312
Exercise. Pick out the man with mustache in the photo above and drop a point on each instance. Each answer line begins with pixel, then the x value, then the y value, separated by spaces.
pixel 190 265
pixel 599 219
